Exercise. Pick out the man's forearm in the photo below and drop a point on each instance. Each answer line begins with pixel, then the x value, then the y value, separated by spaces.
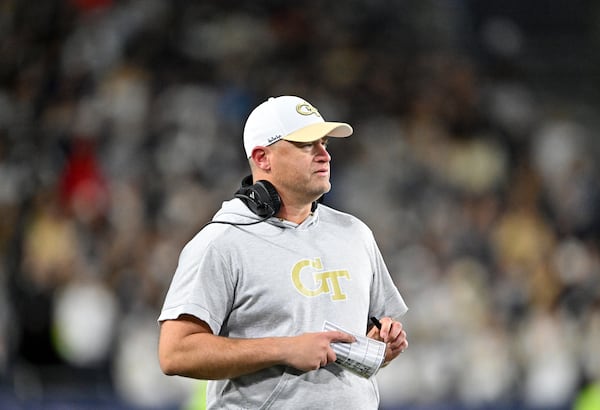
pixel 210 357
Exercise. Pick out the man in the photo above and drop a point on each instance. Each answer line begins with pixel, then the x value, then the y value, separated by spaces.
pixel 253 289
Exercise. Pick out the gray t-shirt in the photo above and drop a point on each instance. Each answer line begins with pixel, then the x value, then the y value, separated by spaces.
pixel 278 278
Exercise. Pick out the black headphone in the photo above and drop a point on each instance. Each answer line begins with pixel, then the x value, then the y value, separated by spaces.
pixel 261 197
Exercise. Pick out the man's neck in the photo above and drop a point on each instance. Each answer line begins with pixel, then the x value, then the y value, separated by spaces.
pixel 296 214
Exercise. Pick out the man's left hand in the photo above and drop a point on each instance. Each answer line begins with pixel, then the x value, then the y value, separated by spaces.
pixel 393 335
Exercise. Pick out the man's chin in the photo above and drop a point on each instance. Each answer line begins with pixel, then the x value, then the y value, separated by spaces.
pixel 325 188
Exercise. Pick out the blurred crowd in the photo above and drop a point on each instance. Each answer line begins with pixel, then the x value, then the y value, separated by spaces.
pixel 120 135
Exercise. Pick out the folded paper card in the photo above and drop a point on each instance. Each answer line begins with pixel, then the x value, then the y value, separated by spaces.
pixel 363 357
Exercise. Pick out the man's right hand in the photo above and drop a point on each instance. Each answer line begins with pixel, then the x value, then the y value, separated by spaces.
pixel 311 351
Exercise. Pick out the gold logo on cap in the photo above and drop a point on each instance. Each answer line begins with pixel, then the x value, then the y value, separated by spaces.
pixel 307 109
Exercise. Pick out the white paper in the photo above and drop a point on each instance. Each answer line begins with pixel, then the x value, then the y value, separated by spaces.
pixel 363 357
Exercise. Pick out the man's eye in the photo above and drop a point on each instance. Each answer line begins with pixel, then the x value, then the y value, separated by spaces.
pixel 310 144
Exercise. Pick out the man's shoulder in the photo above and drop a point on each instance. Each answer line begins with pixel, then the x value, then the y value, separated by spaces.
pixel 329 214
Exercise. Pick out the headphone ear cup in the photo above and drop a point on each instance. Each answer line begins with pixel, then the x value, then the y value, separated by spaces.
pixel 261 198
pixel 274 200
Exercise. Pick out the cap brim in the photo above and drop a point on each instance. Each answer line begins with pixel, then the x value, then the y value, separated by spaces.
pixel 319 130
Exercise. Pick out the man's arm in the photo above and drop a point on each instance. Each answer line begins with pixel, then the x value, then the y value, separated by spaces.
pixel 188 348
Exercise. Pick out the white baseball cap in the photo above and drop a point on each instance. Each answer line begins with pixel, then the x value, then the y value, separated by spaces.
pixel 289 118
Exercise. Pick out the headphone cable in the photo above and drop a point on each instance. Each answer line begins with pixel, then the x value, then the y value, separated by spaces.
pixel 242 197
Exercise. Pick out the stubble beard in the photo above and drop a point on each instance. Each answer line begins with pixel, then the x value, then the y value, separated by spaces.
pixel 311 190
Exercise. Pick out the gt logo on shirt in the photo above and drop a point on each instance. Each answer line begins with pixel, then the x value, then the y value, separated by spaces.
pixel 326 282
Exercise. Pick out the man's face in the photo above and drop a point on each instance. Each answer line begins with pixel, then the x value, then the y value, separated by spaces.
pixel 301 169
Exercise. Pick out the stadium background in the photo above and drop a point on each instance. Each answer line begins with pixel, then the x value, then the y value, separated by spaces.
pixel 474 160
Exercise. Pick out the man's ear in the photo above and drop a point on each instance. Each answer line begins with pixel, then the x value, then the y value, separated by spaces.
pixel 260 158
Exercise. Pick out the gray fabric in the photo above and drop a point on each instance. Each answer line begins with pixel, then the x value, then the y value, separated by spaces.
pixel 277 278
